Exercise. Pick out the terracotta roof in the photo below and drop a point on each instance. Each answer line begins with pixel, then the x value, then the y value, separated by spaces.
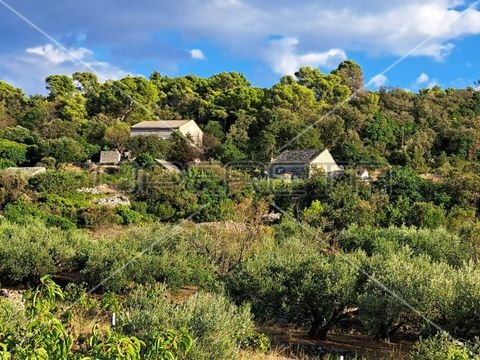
pixel 297 156
pixel 160 124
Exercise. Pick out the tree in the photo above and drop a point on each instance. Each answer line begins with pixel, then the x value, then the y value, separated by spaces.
pixel 59 85
pixel 12 102
pixel 299 284
pixel 402 182
pixel 351 75
pixel 181 149
pixel 66 149
pixel 130 99
pixel 403 291
pixel 150 144
pixel 87 83
pixel 117 135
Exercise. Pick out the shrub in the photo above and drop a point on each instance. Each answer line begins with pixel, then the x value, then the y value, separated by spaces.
pixel 129 216
pixel 32 250
pixel 12 187
pixel 66 149
pixel 145 161
pixel 150 144
pixel 219 327
pixel 438 244
pixel 48 162
pixel 427 215
pixel 11 317
pixel 43 335
pixel 58 182
pixel 6 163
pixel 441 347
pixel 13 151
pixel 18 134
pixel 147 255
pixel 98 216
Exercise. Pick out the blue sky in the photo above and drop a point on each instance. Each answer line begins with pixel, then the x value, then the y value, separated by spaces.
pixel 437 40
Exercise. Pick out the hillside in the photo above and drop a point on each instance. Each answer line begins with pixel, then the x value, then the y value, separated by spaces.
pixel 197 252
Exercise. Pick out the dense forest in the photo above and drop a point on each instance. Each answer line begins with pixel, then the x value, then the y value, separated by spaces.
pixel 204 263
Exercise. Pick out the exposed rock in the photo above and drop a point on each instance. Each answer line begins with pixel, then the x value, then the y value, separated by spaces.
pixel 113 201
pixel 100 189
pixel 271 218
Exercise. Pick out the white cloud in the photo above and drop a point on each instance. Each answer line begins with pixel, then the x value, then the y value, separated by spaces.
pixel 29 70
pixel 378 80
pixel 397 27
pixel 58 55
pixel 244 27
pixel 283 57
pixel 422 79
pixel 197 54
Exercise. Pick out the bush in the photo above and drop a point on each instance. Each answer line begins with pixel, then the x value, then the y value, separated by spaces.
pixel 98 216
pixel 441 347
pixel 438 244
pixel 18 134
pixel 44 335
pixel 150 144
pixel 66 150
pixel 58 182
pixel 219 327
pixel 427 215
pixel 129 216
pixel 12 187
pixel 6 163
pixel 32 250
pixel 145 161
pixel 13 151
pixel 147 255
pixel 11 317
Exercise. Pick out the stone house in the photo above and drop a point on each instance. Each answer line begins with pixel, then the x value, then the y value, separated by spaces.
pixel 165 128
pixel 110 157
pixel 292 164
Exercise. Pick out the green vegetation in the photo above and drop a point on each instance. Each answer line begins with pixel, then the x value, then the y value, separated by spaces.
pixel 194 262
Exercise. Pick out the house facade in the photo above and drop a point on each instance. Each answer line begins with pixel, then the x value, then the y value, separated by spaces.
pixel 292 164
pixel 110 157
pixel 165 128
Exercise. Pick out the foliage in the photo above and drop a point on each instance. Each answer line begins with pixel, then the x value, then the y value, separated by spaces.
pixel 66 149
pixel 439 244
pixel 218 326
pixel 58 182
pixel 301 285
pixel 441 347
pixel 44 336
pixel 13 151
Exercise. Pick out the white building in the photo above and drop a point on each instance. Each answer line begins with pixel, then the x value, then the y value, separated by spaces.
pixel 165 128
pixel 302 164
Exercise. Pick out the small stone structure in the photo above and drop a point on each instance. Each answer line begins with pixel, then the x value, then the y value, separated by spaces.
pixel 110 157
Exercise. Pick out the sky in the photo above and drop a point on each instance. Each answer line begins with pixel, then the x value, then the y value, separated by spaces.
pixel 411 44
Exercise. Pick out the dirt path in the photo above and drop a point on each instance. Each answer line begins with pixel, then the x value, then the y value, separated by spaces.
pixel 297 342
